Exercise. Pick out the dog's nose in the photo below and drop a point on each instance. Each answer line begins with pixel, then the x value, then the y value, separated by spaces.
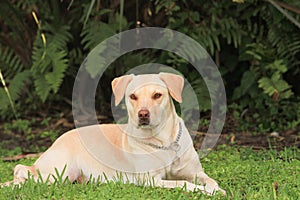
pixel 144 114
pixel 144 117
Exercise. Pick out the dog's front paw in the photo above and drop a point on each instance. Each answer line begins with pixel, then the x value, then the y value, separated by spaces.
pixel 212 188
pixel 193 188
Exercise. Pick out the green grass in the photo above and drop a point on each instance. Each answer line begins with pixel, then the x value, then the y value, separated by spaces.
pixel 243 173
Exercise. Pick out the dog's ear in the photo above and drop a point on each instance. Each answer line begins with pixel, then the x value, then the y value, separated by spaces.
pixel 174 84
pixel 119 86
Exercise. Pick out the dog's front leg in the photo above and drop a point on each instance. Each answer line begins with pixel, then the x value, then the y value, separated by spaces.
pixel 198 176
pixel 191 170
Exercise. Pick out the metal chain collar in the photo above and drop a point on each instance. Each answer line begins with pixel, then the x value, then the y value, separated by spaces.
pixel 174 146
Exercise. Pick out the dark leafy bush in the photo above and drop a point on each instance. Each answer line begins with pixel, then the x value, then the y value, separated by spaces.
pixel 254 43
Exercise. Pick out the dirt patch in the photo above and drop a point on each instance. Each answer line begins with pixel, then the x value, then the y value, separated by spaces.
pixel 262 141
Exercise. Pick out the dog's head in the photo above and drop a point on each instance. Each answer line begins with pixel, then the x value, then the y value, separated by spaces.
pixel 147 97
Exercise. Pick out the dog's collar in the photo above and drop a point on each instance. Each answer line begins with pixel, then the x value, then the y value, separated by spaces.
pixel 174 146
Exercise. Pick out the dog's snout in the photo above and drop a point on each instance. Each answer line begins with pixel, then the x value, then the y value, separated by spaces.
pixel 144 113
pixel 144 117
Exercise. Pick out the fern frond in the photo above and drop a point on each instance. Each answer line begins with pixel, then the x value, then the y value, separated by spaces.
pixel 59 66
pixel 275 87
pixel 200 88
pixel 10 93
pixel 10 63
pixel 17 84
pixel 95 32
pixel 50 62
pixel 42 87
pixel 58 36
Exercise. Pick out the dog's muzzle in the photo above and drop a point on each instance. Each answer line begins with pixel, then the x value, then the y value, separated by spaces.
pixel 144 117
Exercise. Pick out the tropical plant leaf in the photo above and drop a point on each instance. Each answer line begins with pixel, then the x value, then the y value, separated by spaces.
pixel 18 84
pixel 14 89
pixel 248 79
pixel 59 66
pixel 42 87
pixel 275 86
pixel 50 60
pixel 10 62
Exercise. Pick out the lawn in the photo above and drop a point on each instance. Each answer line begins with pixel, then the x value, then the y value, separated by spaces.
pixel 244 173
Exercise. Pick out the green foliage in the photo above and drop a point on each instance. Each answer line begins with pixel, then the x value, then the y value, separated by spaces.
pixel 264 82
pixel 49 58
pixel 255 46
pixel 263 50
pixel 269 78
pixel 19 125
pixel 21 131
pixel 51 55
pixel 8 60
pixel 275 87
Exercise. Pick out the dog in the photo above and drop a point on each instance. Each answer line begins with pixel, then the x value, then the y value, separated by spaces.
pixel 154 148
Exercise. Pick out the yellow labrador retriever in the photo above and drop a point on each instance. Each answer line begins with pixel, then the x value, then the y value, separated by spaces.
pixel 154 148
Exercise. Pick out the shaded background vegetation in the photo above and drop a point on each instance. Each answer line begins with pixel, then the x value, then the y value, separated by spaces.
pixel 255 44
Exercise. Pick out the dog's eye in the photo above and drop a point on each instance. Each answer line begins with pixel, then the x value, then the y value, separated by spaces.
pixel 157 96
pixel 133 97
